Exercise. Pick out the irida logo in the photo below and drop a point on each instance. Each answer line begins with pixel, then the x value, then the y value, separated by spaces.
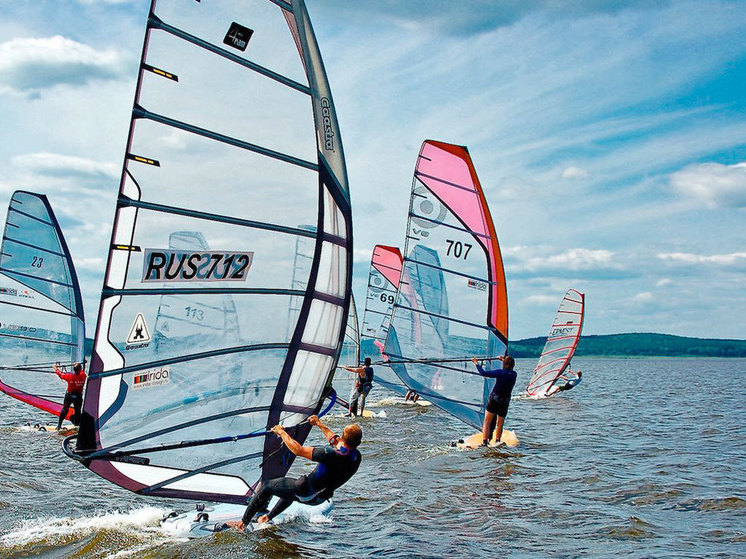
pixel 151 377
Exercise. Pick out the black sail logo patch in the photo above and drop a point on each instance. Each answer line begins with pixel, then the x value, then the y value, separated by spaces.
pixel 238 36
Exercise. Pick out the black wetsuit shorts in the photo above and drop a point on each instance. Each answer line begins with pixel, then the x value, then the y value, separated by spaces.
pixel 499 408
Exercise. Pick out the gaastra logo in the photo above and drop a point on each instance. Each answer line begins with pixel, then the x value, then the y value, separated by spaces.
pixel 561 331
pixel 238 36
pixel 326 115
pixel 164 265
pixel 476 284
pixel 139 337
pixel 151 377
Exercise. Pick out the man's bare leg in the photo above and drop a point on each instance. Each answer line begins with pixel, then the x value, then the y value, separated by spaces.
pixel 488 418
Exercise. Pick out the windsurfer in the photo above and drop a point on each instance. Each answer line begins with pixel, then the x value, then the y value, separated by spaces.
pixel 411 395
pixel 570 381
pixel 74 394
pixel 499 399
pixel 363 384
pixel 337 463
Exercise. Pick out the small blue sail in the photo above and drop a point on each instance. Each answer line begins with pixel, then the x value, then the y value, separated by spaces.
pixel 41 320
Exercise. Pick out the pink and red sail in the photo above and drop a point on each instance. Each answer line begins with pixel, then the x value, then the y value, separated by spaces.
pixel 453 269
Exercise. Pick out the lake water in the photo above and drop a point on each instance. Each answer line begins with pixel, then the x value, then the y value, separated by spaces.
pixel 646 458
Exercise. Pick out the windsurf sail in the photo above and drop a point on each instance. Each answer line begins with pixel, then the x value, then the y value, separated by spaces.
pixel 42 321
pixel 383 286
pixel 453 267
pixel 233 134
pixel 349 357
pixel 183 316
pixel 560 345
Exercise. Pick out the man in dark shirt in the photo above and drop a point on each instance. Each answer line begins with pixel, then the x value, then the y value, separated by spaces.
pixel 337 463
pixel 499 399
pixel 363 384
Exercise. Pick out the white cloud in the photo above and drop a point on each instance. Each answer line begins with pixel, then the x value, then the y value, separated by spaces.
pixel 663 282
pixel 574 173
pixel 713 184
pixel 64 166
pixel 733 259
pixel 30 65
pixel 94 264
pixel 644 297
pixel 110 2
pixel 541 300
pixel 538 258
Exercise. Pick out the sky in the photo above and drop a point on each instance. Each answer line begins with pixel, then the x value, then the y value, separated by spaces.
pixel 609 138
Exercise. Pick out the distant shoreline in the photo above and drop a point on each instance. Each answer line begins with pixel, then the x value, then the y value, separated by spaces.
pixel 638 345
pixel 632 345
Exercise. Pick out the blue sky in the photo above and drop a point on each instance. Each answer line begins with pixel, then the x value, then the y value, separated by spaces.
pixel 610 138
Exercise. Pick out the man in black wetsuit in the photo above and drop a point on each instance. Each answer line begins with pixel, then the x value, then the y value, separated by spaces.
pixel 499 400
pixel 337 463
pixel 363 384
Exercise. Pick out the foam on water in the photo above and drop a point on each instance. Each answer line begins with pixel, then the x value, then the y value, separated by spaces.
pixel 62 529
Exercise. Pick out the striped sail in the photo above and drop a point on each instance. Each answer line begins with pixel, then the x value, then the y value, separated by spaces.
pixel 233 134
pixel 349 357
pixel 41 311
pixel 453 267
pixel 383 286
pixel 560 345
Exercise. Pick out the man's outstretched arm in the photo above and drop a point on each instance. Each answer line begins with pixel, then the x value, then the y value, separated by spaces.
pixel 293 446
pixel 328 433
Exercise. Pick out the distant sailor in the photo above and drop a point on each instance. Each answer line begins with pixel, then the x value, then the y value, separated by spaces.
pixel 572 379
pixel 499 399
pixel 363 384
pixel 74 395
pixel 337 463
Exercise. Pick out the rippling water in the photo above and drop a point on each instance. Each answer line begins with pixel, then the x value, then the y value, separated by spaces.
pixel 646 458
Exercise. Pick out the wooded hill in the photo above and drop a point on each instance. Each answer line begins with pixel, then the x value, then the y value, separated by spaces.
pixel 615 345
pixel 639 345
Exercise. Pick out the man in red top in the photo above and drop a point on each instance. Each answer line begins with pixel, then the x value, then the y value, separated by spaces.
pixel 74 395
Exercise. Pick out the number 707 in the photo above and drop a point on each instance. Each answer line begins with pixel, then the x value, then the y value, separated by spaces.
pixel 457 249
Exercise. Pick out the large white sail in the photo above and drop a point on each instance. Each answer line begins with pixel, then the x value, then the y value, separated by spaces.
pixel 234 135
